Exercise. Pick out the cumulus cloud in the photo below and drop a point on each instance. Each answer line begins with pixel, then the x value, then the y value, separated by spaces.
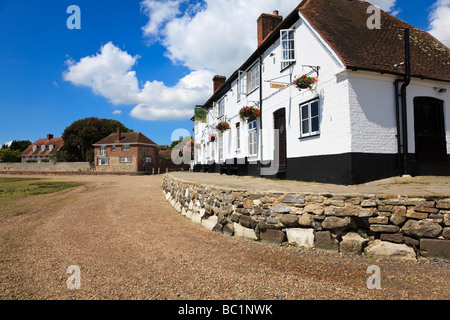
pixel 218 35
pixel 440 21
pixel 117 112
pixel 110 74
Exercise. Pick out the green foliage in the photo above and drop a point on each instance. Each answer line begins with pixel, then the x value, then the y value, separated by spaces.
pixel 90 155
pixel 21 145
pixel 63 156
pixel 82 134
pixel 8 155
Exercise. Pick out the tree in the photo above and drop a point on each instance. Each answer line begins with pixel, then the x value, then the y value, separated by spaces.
pixel 62 156
pixel 21 145
pixel 8 155
pixel 80 135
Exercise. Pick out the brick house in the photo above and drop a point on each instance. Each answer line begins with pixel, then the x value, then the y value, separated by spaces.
pixel 125 152
pixel 42 150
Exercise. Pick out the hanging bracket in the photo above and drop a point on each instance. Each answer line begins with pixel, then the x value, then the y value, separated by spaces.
pixel 314 68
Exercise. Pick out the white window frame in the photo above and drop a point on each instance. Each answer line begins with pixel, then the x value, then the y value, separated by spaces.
pixel 242 85
pixel 125 160
pixel 113 148
pixel 221 108
pixel 253 138
pixel 42 147
pixel 220 147
pixel 34 148
pixel 309 119
pixel 254 77
pixel 50 147
pixel 103 150
pixel 238 137
pixel 148 159
pixel 287 40
pixel 100 160
pixel 126 147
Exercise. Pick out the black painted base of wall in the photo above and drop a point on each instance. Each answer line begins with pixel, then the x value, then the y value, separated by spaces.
pixel 343 169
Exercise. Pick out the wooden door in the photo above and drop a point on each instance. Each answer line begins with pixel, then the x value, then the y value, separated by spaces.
pixel 280 125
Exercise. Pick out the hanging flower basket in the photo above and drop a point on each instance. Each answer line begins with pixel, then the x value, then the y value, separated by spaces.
pixel 223 126
pixel 305 82
pixel 212 137
pixel 249 113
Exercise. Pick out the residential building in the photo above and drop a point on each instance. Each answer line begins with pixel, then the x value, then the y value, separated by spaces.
pixel 42 150
pixel 380 108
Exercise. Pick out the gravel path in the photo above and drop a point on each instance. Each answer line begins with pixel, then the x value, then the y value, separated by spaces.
pixel 131 244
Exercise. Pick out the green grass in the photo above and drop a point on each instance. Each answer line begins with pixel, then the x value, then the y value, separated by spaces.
pixel 15 188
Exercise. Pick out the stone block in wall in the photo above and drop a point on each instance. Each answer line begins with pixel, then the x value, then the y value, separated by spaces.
pixel 228 229
pixel 314 208
pixel 446 233
pixel 368 203
pixel 421 228
pixel 416 215
pixel 433 248
pixel 210 223
pixel 243 232
pixel 353 243
pixel 281 209
pixel 446 217
pixel 307 220
pixel 247 222
pixel 392 237
pixel 324 241
pixel 443 204
pixel 290 220
pixel 398 216
pixel 379 220
pixel 301 237
pixel 354 211
pixel 274 236
pixel 293 200
pixel 386 250
pixel 336 222
pixel 384 228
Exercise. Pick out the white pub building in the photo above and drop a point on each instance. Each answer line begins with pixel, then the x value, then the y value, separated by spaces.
pixel 377 104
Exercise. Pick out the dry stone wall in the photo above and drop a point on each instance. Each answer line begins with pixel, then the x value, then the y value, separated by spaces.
pixel 378 226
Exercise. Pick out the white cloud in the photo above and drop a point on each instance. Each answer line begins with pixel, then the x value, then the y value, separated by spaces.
pixel 440 21
pixel 219 35
pixel 110 74
pixel 386 5
pixel 117 112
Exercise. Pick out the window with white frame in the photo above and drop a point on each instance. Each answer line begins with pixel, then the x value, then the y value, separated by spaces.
pixel 113 148
pixel 42 147
pixel 221 108
pixel 207 151
pixel 238 136
pixel 147 159
pixel 309 119
pixel 125 159
pixel 220 142
pixel 102 161
pixel 50 147
pixel 126 147
pixel 103 150
pixel 242 85
pixel 287 47
pixel 34 148
pixel 253 76
pixel 252 138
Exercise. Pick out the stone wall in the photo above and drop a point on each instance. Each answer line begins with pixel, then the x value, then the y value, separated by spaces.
pixel 378 226
pixel 47 167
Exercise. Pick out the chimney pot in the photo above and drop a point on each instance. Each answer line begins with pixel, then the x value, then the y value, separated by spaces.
pixel 49 137
pixel 276 13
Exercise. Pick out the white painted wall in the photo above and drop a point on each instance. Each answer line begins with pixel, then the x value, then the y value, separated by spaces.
pixel 373 117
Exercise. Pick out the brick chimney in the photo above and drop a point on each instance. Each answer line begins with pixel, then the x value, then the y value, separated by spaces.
pixel 49 137
pixel 118 135
pixel 218 81
pixel 266 24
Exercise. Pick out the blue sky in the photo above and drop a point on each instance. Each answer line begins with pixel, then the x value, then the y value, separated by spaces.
pixel 146 63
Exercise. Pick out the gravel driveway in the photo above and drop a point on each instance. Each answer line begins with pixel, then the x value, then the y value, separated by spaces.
pixel 129 243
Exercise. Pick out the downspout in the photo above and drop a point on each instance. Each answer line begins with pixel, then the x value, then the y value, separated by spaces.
pixel 260 108
pixel 404 103
pixel 399 131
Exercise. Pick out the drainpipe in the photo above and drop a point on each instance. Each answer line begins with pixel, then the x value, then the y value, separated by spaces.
pixel 260 108
pixel 398 121
pixel 404 102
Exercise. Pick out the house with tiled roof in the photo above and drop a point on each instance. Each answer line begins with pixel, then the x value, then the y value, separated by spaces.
pixel 42 150
pixel 377 105
pixel 125 152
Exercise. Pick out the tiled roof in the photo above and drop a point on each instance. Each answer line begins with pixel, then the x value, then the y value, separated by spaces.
pixel 56 142
pixel 343 25
pixel 125 138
